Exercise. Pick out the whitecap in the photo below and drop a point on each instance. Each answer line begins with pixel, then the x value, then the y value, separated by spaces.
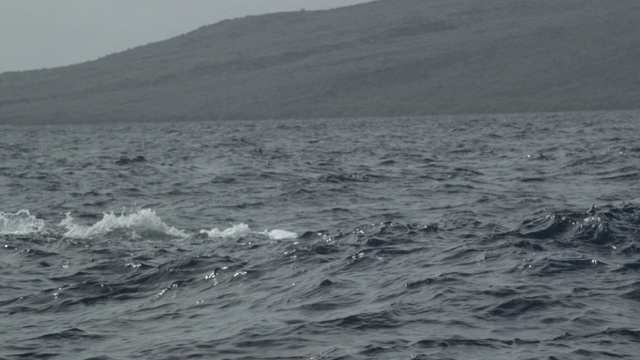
pixel 234 232
pixel 280 234
pixel 242 230
pixel 136 221
pixel 20 223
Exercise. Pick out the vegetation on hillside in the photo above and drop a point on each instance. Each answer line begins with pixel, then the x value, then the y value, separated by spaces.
pixel 385 58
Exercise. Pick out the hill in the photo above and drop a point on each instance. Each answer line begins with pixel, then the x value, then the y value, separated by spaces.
pixel 384 58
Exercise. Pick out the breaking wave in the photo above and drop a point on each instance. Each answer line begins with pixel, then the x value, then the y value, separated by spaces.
pixel 242 230
pixel 138 223
pixel 139 220
pixel 20 223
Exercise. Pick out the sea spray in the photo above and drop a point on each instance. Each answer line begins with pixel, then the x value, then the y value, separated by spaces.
pixel 20 223
pixel 136 220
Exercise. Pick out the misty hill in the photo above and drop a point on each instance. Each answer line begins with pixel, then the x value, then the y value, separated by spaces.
pixel 385 58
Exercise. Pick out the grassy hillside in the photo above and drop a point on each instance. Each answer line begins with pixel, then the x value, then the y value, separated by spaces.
pixel 385 58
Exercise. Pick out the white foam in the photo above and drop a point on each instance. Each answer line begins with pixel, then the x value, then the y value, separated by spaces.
pixel 234 232
pixel 280 234
pixel 20 223
pixel 136 220
pixel 242 230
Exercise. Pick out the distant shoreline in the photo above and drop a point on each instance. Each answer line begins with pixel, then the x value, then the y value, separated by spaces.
pixel 378 59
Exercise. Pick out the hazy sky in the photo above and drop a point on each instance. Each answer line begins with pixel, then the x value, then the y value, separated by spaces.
pixel 38 34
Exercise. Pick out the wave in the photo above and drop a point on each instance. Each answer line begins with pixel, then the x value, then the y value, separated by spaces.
pixel 144 220
pixel 133 224
pixel 606 225
pixel 280 234
pixel 20 223
pixel 242 230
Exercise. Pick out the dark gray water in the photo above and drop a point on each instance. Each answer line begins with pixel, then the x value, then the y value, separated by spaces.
pixel 503 237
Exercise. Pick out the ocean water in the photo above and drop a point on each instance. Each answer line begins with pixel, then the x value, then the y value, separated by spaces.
pixel 489 236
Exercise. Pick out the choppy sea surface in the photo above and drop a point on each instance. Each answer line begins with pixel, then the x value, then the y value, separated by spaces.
pixel 489 236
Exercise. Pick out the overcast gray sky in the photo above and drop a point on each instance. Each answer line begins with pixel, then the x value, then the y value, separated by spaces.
pixel 37 34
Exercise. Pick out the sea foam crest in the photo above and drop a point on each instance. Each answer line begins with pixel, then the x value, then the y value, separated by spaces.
pixel 20 223
pixel 139 219
pixel 242 230
pixel 280 234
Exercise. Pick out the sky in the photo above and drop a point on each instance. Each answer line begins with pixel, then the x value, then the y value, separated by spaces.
pixel 36 34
